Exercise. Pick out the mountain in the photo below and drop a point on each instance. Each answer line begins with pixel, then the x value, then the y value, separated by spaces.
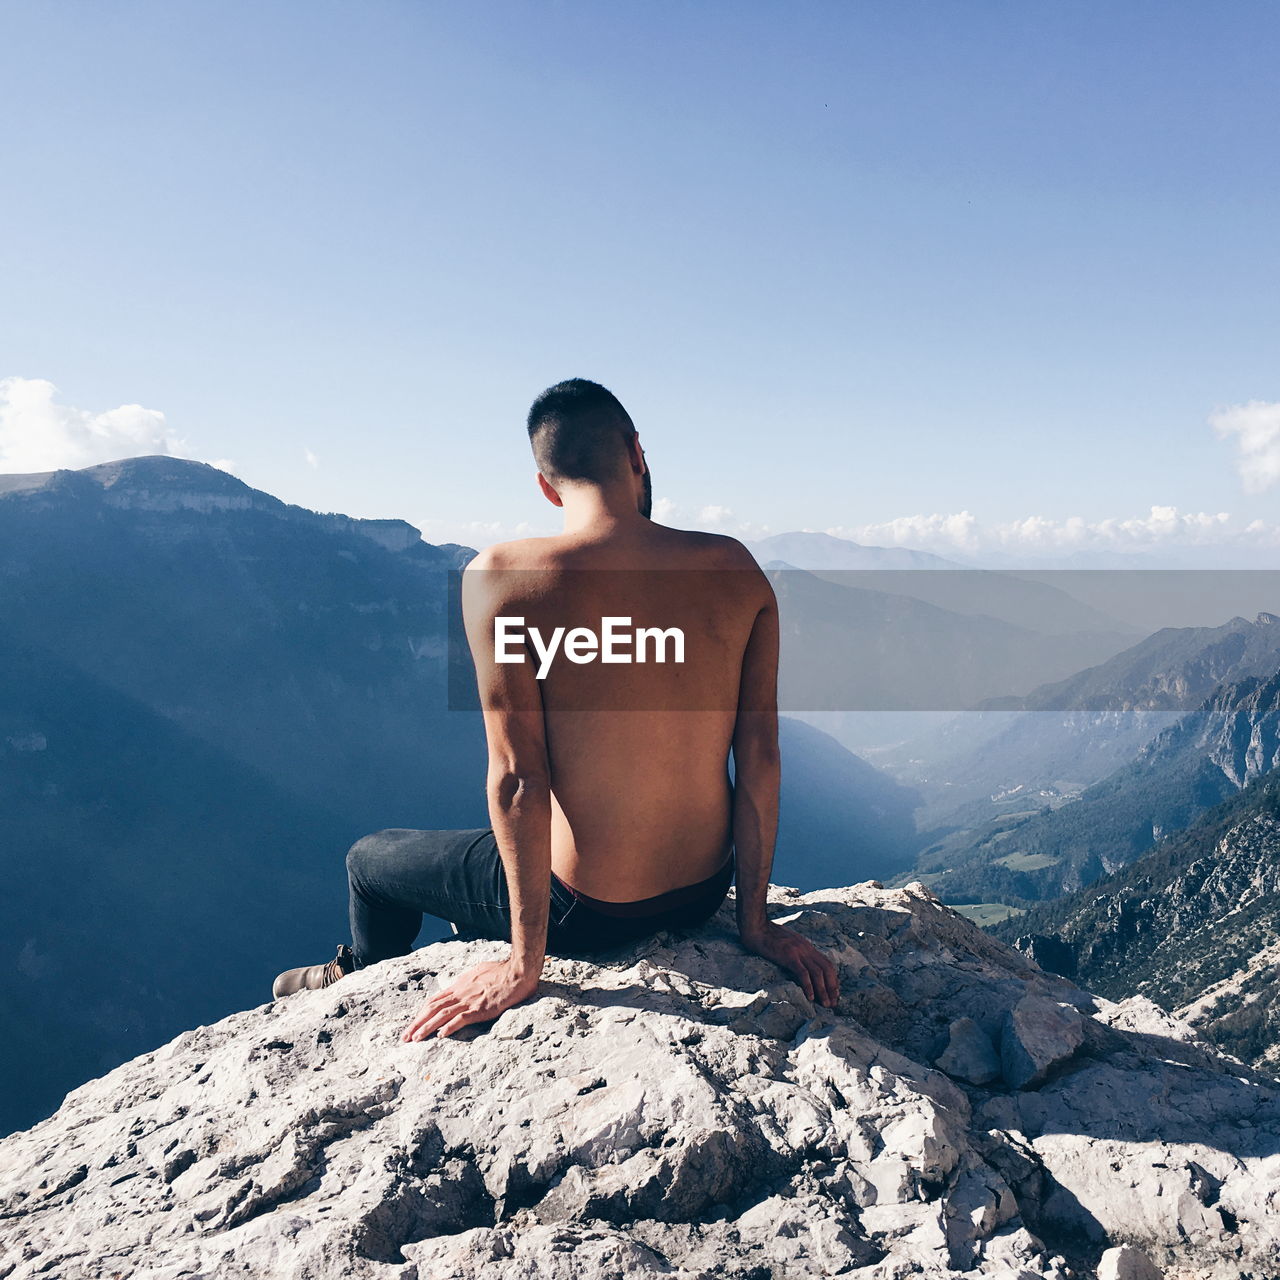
pixel 1152 597
pixel 308 646
pixel 151 880
pixel 1032 603
pixel 674 1109
pixel 1048 746
pixel 851 648
pixel 206 695
pixel 167 485
pixel 839 818
pixel 879 673
pixel 1193 926
pixel 1205 757
pixel 1170 670
pixel 823 551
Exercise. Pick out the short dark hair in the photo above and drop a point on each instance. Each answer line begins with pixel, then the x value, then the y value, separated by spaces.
pixel 579 431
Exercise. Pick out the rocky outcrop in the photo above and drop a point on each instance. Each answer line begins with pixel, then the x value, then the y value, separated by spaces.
pixel 677 1109
pixel 1241 726
pixel 1036 1036
pixel 1192 926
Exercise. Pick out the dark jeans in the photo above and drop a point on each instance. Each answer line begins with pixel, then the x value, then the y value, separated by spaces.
pixel 397 875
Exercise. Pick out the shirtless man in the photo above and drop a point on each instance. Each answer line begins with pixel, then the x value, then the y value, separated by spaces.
pixel 609 792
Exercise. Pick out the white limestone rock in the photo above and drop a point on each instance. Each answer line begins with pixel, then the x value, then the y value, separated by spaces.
pixel 678 1109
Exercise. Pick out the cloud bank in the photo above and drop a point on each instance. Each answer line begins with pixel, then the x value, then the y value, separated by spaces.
pixel 37 433
pixel 962 531
pixel 1207 538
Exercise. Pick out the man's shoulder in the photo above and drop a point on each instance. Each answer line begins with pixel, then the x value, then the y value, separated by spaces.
pixel 500 576
pixel 519 553
pixel 714 550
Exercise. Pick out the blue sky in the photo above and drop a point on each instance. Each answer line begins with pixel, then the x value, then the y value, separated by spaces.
pixel 851 266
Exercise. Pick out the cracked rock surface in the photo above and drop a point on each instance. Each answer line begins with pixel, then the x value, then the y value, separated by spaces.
pixel 675 1109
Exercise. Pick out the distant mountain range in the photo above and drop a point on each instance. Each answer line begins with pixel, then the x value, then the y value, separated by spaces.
pixel 1170 670
pixel 307 646
pixel 850 645
pixel 1187 768
pixel 1068 735
pixel 1031 602
pixel 206 695
pixel 1139 593
pixel 824 551
pixel 883 644
pixel 814 550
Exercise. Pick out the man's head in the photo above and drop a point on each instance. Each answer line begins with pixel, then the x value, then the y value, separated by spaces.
pixel 581 434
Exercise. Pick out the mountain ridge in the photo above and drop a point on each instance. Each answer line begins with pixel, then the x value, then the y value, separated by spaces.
pixel 1187 767
pixel 1191 925
pixel 158 482
pixel 808 549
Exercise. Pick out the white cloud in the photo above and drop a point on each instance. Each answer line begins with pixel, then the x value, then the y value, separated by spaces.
pixel 961 533
pixel 711 517
pixel 1161 527
pixel 1256 427
pixel 312 461
pixel 483 533
pixel 958 531
pixel 39 434
pixel 479 533
pixel 716 518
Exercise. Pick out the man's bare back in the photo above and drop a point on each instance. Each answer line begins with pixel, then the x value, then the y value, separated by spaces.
pixel 609 777
pixel 638 752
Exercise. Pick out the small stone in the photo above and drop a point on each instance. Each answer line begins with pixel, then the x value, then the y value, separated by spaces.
pixel 1127 1262
pixel 1038 1034
pixel 969 1054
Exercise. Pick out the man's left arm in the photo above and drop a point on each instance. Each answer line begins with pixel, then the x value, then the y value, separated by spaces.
pixel 519 795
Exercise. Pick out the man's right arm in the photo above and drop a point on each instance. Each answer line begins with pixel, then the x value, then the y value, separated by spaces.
pixel 757 776
pixel 519 794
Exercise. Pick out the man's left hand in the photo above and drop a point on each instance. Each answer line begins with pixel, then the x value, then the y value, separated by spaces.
pixel 816 974
pixel 479 995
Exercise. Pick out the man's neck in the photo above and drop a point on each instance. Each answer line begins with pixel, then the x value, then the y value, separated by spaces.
pixel 595 509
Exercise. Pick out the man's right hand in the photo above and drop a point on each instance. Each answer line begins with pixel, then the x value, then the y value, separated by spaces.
pixel 479 995
pixel 815 973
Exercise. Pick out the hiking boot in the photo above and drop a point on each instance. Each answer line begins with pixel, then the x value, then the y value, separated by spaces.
pixel 314 977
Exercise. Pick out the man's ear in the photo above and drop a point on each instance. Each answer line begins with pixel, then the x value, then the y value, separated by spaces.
pixel 548 492
pixel 638 464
